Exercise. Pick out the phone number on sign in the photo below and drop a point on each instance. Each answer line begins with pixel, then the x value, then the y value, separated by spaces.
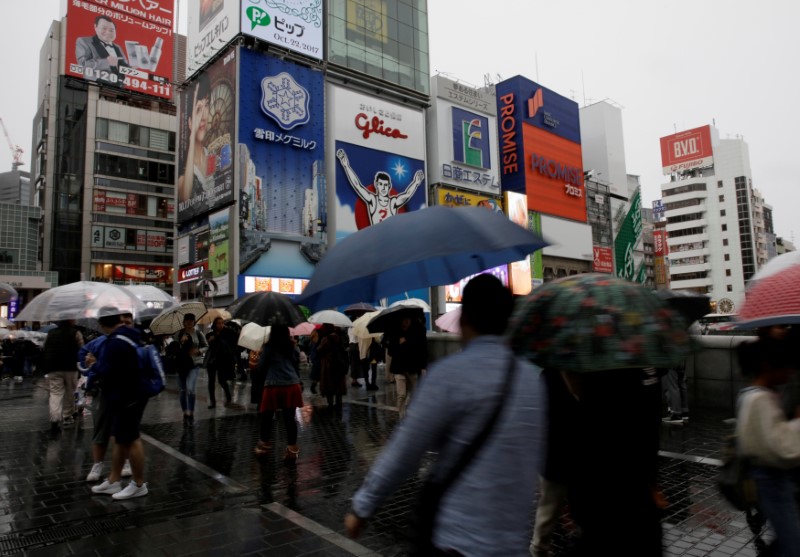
pixel 129 82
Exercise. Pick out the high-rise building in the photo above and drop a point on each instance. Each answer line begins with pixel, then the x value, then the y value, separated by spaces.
pixel 711 213
pixel 105 144
pixel 15 187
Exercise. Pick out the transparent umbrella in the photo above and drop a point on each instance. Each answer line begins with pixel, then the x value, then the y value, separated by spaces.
pixel 80 300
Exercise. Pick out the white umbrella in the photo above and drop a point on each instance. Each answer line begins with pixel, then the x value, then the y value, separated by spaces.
pixel 253 336
pixel 776 264
pixel 80 300
pixel 360 326
pixel 412 302
pixel 170 320
pixel 450 321
pixel 212 314
pixel 331 317
pixel 154 298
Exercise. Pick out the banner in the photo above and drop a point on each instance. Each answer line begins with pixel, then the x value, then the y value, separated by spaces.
pixel 218 249
pixel 205 159
pixel 628 236
pixel 121 44
pixel 292 24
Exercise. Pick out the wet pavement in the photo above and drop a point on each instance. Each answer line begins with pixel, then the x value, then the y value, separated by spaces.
pixel 209 495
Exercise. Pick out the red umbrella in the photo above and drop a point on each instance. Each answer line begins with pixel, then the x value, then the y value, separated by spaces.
pixel 774 300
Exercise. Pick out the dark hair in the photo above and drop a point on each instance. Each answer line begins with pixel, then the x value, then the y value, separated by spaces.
pixel 101 17
pixel 486 305
pixel 109 321
pixel 773 353
pixel 203 85
pixel 383 176
pixel 280 341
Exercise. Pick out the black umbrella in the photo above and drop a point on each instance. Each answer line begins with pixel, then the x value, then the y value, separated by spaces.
pixel 389 319
pixel 689 304
pixel 360 308
pixel 266 308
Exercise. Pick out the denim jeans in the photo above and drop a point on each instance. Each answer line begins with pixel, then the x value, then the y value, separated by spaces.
pixel 777 499
pixel 188 384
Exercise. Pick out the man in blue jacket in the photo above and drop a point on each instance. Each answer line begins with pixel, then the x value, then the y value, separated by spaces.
pixel 117 367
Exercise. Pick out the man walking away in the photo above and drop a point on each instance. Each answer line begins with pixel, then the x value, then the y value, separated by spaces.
pixel 480 396
pixel 61 365
pixel 118 369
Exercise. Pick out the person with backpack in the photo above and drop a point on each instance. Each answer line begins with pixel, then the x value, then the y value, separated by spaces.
pixel 280 365
pixel 60 359
pixel 101 418
pixel 334 363
pixel 192 345
pixel 118 370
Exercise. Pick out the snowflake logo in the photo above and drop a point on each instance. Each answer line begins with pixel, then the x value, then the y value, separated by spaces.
pixel 284 100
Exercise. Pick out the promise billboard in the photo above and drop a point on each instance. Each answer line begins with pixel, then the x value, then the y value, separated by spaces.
pixel 128 45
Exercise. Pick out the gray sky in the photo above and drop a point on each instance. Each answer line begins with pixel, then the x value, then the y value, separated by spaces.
pixel 670 65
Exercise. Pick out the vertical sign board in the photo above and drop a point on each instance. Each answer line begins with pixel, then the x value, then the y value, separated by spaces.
pixel 537 260
pixel 628 236
pixel 520 271
pixel 219 260
pixel 378 157
pixel 463 123
pixel 602 260
pixel 686 150
pixel 212 25
pixel 540 148
pixel 292 24
pixel 205 158
pixel 281 149
pixel 121 44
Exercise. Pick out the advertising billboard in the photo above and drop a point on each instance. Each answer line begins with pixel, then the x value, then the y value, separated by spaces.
pixel 292 24
pixel 122 44
pixel 520 271
pixel 212 25
pixel 602 260
pixel 281 143
pixel 464 152
pixel 628 236
pixel 540 150
pixel 205 158
pixel 687 150
pixel 219 260
pixel 660 248
pixel 379 159
pixel 454 198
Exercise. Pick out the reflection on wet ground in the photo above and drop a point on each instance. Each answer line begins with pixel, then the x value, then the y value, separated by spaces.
pixel 210 494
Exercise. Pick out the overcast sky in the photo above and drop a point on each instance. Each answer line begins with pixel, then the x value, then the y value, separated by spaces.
pixel 670 65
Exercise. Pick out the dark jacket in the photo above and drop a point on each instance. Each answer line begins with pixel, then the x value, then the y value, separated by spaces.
pixel 411 355
pixel 61 349
pixel 117 366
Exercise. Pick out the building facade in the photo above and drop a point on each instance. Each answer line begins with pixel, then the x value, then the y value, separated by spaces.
pixel 710 210
pixel 104 144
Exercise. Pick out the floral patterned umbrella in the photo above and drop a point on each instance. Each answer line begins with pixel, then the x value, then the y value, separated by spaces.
pixel 594 322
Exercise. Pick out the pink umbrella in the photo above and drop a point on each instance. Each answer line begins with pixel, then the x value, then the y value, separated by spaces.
pixel 450 321
pixel 303 329
pixel 774 300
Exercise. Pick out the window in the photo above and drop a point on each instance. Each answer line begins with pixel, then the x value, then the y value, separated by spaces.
pixel 730 288
pixel 724 241
pixel 721 198
pixel 719 184
pixel 118 131
pixel 722 213
pixel 727 257
pixel 727 272
pixel 724 227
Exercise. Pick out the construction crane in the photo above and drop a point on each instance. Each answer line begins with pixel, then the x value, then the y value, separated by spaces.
pixel 16 150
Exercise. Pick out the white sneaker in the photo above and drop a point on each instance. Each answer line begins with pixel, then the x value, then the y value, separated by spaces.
pixel 126 469
pixel 132 490
pixel 107 488
pixel 17 379
pixel 96 472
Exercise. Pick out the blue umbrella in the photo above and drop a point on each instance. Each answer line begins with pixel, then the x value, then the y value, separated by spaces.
pixel 430 247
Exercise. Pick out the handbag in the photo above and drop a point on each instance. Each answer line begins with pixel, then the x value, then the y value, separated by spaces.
pixel 433 491
pixel 734 480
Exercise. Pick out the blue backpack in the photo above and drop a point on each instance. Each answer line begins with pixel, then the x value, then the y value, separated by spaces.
pixel 152 380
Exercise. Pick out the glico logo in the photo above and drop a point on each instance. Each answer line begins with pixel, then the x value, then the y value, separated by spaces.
pixel 471 139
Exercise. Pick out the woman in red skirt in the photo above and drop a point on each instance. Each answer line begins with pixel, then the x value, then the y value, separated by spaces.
pixel 280 364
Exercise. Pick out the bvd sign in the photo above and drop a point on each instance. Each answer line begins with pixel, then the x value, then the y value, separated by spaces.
pixel 687 150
